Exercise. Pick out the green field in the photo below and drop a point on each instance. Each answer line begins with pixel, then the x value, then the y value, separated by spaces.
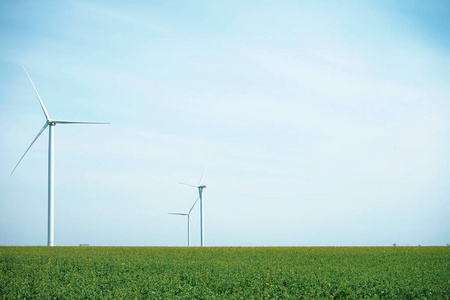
pixel 224 272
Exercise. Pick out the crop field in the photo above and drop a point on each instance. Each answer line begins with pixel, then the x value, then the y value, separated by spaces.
pixel 224 272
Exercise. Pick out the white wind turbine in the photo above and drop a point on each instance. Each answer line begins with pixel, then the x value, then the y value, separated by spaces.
pixel 202 212
pixel 50 124
pixel 189 219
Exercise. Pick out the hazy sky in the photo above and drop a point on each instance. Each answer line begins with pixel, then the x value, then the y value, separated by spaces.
pixel 324 123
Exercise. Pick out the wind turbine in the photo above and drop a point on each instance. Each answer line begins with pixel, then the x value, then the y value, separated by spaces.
pixel 50 124
pixel 189 219
pixel 200 188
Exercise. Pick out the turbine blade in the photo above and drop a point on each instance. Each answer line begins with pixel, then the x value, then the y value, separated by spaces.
pixel 43 128
pixel 179 214
pixel 196 186
pixel 194 204
pixel 78 122
pixel 203 175
pixel 39 97
pixel 192 222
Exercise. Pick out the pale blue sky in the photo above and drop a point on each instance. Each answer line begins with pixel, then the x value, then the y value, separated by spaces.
pixel 323 123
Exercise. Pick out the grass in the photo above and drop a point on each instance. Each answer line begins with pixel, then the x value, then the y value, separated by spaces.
pixel 224 272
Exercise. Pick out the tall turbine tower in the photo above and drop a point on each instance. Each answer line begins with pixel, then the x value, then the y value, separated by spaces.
pixel 50 124
pixel 189 219
pixel 200 188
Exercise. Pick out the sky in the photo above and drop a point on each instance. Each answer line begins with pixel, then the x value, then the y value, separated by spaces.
pixel 323 123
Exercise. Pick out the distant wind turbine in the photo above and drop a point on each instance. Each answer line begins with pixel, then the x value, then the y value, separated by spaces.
pixel 189 219
pixel 202 212
pixel 50 124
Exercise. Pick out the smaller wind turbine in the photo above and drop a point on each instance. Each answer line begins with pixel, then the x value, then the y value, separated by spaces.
pixel 200 195
pixel 189 219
